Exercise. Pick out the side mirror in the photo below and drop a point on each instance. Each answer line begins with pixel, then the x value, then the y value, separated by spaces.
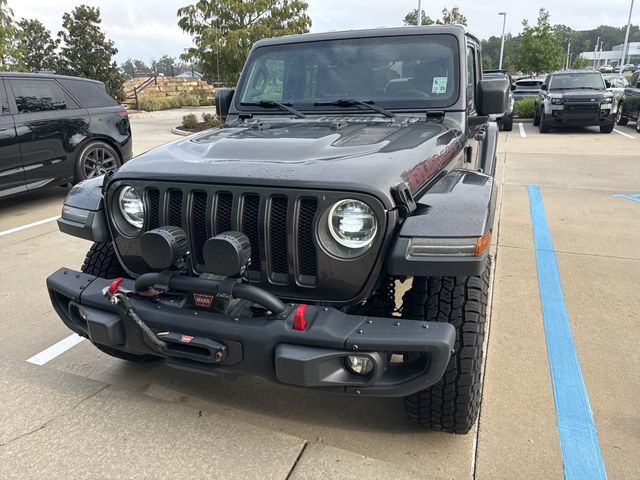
pixel 607 84
pixel 513 87
pixel 493 95
pixel 543 86
pixel 223 101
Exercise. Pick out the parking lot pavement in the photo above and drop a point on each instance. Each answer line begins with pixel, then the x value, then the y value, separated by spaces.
pixel 83 414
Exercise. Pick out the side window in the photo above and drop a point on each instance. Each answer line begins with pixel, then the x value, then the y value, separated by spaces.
pixel 38 95
pixel 471 79
pixel 89 94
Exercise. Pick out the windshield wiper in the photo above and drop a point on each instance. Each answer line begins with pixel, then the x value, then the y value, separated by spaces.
pixel 352 102
pixel 273 104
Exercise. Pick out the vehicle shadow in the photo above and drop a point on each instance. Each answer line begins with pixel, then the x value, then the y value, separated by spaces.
pixel 24 203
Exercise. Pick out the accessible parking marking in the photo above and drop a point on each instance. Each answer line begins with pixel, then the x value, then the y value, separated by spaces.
pixel 581 456
pixel 522 132
pixel 623 134
pixel 55 350
pixel 29 225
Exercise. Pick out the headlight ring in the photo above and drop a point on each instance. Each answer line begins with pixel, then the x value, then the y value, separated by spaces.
pixel 131 206
pixel 352 223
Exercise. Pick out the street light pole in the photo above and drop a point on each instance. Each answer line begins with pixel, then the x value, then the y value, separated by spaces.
pixel 568 54
pixel 626 39
pixel 419 12
pixel 504 21
pixel 595 53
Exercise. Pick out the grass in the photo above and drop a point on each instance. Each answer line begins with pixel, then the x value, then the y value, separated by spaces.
pixel 524 108
pixel 152 104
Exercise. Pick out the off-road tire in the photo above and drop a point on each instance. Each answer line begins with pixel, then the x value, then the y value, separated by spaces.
pixel 638 123
pixel 101 261
pixel 507 123
pixel 543 127
pixel 607 128
pixel 536 118
pixel 620 118
pixel 452 404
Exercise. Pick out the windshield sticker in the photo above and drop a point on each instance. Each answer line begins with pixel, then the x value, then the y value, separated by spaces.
pixel 439 85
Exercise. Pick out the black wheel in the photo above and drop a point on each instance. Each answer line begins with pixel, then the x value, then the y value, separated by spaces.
pixel 101 261
pixel 543 127
pixel 607 128
pixel 507 123
pixel 452 404
pixel 638 123
pixel 620 118
pixel 536 118
pixel 95 159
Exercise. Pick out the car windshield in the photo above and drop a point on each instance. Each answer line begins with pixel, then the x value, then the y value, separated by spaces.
pixel 576 80
pixel 414 71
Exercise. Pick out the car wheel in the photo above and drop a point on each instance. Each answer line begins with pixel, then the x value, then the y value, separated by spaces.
pixel 607 128
pixel 95 159
pixel 543 127
pixel 536 118
pixel 452 404
pixel 620 118
pixel 507 123
pixel 638 123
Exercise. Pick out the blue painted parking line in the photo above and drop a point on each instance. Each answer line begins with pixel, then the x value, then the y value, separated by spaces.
pixel 581 456
pixel 634 197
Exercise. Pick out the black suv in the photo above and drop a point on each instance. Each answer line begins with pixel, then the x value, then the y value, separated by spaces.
pixel 629 106
pixel 574 98
pixel 56 129
pixel 349 162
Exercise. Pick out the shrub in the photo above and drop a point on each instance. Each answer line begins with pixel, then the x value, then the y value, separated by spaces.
pixel 206 102
pixel 190 100
pixel 207 117
pixel 214 122
pixel 524 108
pixel 189 121
pixel 152 104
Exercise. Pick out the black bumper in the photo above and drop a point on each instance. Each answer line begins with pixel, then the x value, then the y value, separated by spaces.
pixel 267 346
pixel 561 118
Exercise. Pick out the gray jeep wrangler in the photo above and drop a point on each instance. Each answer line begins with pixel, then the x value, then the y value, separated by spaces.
pixel 349 164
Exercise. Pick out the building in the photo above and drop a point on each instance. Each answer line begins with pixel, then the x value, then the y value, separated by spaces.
pixel 614 56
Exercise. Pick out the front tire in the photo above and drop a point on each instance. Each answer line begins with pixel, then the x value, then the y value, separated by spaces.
pixel 607 128
pixel 102 261
pixel 544 126
pixel 452 404
pixel 536 118
pixel 620 118
pixel 507 123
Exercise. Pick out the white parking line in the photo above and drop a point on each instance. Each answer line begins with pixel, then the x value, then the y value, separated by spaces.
pixel 623 134
pixel 24 227
pixel 54 350
pixel 522 133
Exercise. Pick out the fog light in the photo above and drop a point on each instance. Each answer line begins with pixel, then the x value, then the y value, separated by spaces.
pixel 359 364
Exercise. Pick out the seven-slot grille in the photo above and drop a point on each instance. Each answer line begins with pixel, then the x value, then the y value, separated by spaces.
pixel 266 219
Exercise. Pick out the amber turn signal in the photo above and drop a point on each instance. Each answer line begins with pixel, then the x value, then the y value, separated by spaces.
pixel 482 243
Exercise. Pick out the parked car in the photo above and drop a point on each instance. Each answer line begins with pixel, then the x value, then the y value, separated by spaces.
pixel 607 69
pixel 505 120
pixel 629 104
pixel 56 129
pixel 527 87
pixel 616 84
pixel 572 98
pixel 272 244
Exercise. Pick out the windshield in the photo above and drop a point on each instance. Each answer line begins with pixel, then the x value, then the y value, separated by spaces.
pixel 576 80
pixel 415 71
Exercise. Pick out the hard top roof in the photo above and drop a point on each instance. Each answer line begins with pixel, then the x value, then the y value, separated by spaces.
pixel 457 30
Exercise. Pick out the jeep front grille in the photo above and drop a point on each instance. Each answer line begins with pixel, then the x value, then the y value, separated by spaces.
pixel 266 219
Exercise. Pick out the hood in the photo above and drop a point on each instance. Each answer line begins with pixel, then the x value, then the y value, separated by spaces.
pixel 364 153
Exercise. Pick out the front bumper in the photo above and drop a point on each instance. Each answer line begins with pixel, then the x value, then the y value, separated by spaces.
pixel 571 116
pixel 267 346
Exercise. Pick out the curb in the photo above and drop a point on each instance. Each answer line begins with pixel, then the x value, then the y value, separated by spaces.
pixel 181 133
pixel 523 120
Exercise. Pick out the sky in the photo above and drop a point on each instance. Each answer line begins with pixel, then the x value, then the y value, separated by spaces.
pixel 148 29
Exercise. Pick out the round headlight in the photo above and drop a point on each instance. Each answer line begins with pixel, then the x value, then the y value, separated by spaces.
pixel 131 206
pixel 352 223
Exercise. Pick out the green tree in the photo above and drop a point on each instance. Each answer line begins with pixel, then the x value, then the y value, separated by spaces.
pixel 163 65
pixel 539 50
pixel 10 51
pixel 453 16
pixel 86 51
pixel 224 30
pixel 37 45
pixel 411 18
pixel 133 65
pixel 580 62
